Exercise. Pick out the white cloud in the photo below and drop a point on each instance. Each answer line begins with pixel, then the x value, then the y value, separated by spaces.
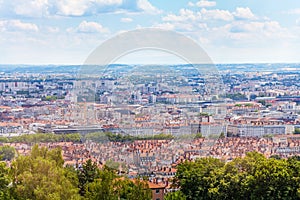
pixel 295 11
pixel 52 29
pixel 272 26
pixel 17 25
pixel 246 27
pixel 71 8
pixel 32 8
pixel 146 6
pixel 184 15
pixel 258 31
pixel 165 26
pixel 108 2
pixel 191 4
pixel 4 25
pixel 186 20
pixel 221 28
pixel 216 14
pixel 126 20
pixel 210 15
pixel 47 8
pixel 202 3
pixel 180 26
pixel 91 27
pixel 205 3
pixel 243 13
pixel 84 7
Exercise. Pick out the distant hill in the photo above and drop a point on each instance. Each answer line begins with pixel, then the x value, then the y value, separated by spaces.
pixel 247 67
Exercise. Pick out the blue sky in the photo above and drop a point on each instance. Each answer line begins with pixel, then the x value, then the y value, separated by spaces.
pixel 230 31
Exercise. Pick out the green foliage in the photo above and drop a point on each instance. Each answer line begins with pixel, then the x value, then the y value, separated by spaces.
pixel 43 137
pixel 49 98
pixel 222 135
pixel 112 164
pixel 96 137
pixel 263 102
pixel 119 138
pixel 161 136
pixel 297 131
pixel 252 177
pixel 198 136
pixel 295 157
pixel 7 152
pixel 4 139
pixel 134 189
pixel 102 188
pixel 236 96
pixel 111 187
pixel 246 105
pixel 268 136
pixel 196 178
pixel 178 195
pixel 71 174
pixel 190 136
pixel 4 182
pixel 87 174
pixel 41 175
pixel 203 114
pixel 277 157
pixel 104 137
pixel 213 136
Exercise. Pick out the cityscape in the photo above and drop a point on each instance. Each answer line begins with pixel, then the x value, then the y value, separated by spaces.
pixel 252 109
pixel 149 100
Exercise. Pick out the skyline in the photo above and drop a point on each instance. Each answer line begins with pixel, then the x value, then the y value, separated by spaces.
pixel 66 32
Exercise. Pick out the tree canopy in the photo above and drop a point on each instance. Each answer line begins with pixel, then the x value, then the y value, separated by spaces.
pixel 7 152
pixel 43 137
pixel 42 175
pixel 252 177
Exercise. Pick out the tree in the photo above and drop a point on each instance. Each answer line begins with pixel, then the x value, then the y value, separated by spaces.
pixel 297 131
pixel 7 152
pixel 140 190
pixel 44 137
pixel 4 182
pixel 133 189
pixel 87 174
pixel 271 179
pixel 252 177
pixel 198 135
pixel 276 156
pixel 111 187
pixel 178 195
pixel 198 179
pixel 101 188
pixel 41 176
pixel 222 135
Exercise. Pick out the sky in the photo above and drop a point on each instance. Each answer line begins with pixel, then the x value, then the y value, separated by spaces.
pixel 230 31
